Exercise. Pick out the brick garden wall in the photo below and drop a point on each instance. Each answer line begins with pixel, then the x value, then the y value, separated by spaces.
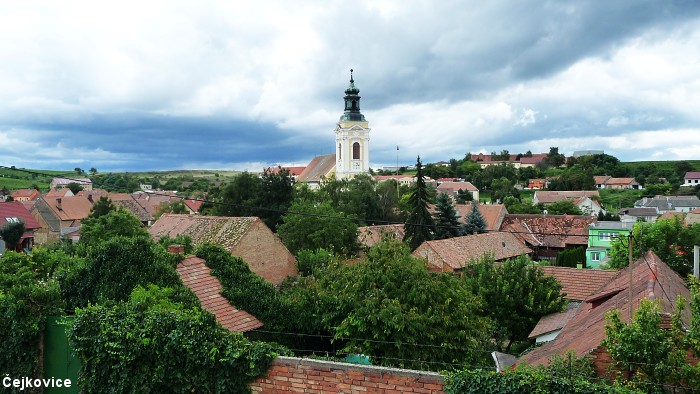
pixel 297 375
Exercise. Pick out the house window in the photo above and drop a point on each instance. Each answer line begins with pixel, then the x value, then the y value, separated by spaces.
pixel 595 256
pixel 356 151
pixel 606 236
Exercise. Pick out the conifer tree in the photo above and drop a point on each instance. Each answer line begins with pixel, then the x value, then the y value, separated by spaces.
pixel 419 226
pixel 446 219
pixel 474 221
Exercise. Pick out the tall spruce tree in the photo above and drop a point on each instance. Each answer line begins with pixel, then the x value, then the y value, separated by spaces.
pixel 446 219
pixel 419 225
pixel 474 222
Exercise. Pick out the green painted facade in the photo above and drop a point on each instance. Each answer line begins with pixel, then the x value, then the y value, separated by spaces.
pixel 600 238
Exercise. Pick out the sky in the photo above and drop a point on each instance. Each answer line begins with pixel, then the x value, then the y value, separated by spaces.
pixel 165 85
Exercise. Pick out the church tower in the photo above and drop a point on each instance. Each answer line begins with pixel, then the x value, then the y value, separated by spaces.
pixel 351 137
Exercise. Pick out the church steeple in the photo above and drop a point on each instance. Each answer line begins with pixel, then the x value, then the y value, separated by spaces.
pixel 352 103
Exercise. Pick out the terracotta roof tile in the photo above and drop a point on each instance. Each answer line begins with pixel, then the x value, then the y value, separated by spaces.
pixel 492 213
pixel 554 321
pixel 456 252
pixel 319 167
pixel 452 188
pixel 15 209
pixel 556 231
pixel 586 329
pixel 548 197
pixel 70 208
pixel 197 276
pixel 221 230
pixel 577 283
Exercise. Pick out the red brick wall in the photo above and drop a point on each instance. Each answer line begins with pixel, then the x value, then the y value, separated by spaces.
pixel 297 375
pixel 265 254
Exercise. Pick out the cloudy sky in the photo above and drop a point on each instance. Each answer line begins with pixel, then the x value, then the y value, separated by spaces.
pixel 155 85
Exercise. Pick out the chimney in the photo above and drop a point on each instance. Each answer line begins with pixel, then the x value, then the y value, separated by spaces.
pixel 176 249
pixel 58 204
pixel 90 198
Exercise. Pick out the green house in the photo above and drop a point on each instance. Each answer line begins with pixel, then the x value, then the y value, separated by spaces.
pixel 600 237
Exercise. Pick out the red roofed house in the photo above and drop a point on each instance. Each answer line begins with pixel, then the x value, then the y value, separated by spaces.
pixel 319 168
pixel 548 235
pixel 59 215
pixel 577 285
pixel 492 213
pixel 23 195
pixel 197 276
pixel 651 279
pixel 15 212
pixel 452 254
pixel 453 188
pixel 193 206
pixel 85 183
pixel 691 178
pixel 608 182
pixel 246 237
pixel 586 201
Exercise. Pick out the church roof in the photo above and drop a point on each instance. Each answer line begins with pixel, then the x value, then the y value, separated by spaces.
pixel 320 166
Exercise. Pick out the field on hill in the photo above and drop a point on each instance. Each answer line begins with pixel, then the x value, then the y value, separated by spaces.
pixel 22 178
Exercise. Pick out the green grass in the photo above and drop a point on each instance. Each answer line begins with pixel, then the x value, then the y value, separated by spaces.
pixel 613 199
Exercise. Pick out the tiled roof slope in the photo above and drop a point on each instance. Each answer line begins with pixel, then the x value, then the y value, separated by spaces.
pixel 70 208
pixel 554 321
pixel 369 236
pixel 549 230
pixel 586 329
pixel 548 197
pixel 457 251
pixel 492 213
pixel 577 283
pixel 197 276
pixel 127 201
pixel 319 167
pixel 15 209
pixel 224 231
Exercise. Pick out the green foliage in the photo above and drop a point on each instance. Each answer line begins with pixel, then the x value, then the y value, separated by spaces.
pixel 12 233
pixel 474 222
pixel 391 307
pixel 517 295
pixel 74 187
pixel 554 158
pixel 525 381
pixel 563 207
pixel 177 206
pixel 669 239
pixel 309 261
pixel 276 194
pixel 239 198
pixel 419 224
pixel 153 344
pixel 614 199
pixel 116 223
pixel 28 295
pixel 312 226
pixel 102 207
pixel 573 178
pixel 502 188
pixel 651 354
pixel 608 217
pixel 113 268
pixel 356 197
pixel 179 239
pixel 447 223
pixel 657 189
pixel 245 289
pixel 571 257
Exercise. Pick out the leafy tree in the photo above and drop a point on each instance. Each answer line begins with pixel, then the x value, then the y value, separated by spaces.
pixel 177 206
pixel 446 219
pixel 78 170
pixel 309 262
pixel 669 239
pixel 102 207
pixel 356 197
pixel 608 217
pixel 514 206
pixel 419 225
pixel 118 222
pixel 554 158
pixel 501 188
pixel 389 193
pixel 312 226
pixel 563 207
pixel 681 167
pixel 240 197
pixel 474 222
pixel 657 189
pixel 12 233
pixel 276 195
pixel 517 295
pixel 74 187
pixel 391 307
pixel 93 171
pixel 653 356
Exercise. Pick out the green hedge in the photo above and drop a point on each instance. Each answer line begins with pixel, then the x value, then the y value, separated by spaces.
pixel 525 381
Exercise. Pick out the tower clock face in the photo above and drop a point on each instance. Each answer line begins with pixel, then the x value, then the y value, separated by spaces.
pixel 356 165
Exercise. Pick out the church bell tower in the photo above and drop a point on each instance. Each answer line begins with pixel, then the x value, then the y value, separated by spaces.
pixel 351 137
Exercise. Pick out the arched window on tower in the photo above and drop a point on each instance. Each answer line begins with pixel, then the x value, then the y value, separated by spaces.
pixel 356 151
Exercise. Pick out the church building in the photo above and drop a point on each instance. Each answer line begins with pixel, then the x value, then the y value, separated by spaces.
pixel 351 155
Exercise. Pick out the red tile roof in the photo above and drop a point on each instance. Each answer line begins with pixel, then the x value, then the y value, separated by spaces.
pixel 319 167
pixel 293 171
pixel 25 193
pixel 193 205
pixel 62 192
pixel 548 197
pixel 456 252
pixel 197 276
pixel 556 231
pixel 221 230
pixel 577 283
pixel 692 175
pixel 452 188
pixel 552 322
pixel 492 213
pixel 651 279
pixel 15 209
pixel 70 208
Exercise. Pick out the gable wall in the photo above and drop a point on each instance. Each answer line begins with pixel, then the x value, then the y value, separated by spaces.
pixel 265 254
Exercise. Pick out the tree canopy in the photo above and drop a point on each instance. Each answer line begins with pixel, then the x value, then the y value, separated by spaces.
pixel 419 224
pixel 447 223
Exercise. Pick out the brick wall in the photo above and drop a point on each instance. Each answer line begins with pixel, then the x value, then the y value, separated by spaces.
pixel 297 375
pixel 273 262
